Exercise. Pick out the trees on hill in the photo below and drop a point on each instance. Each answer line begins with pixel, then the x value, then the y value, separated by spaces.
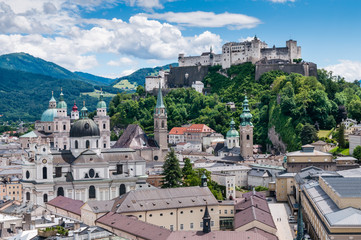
pixel 308 134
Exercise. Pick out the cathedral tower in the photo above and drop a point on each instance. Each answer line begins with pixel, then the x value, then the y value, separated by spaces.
pixel 62 124
pixel 160 122
pixel 74 115
pixel 103 122
pixel 246 132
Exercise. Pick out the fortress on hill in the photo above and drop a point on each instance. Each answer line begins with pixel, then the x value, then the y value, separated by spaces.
pixel 191 70
pixel 234 53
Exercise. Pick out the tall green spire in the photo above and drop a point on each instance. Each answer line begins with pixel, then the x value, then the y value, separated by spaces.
pixel 84 112
pixel 246 115
pixel 160 103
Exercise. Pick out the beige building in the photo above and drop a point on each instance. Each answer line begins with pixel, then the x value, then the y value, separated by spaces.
pixel 332 207
pixel 308 156
pixel 285 184
pixel 11 190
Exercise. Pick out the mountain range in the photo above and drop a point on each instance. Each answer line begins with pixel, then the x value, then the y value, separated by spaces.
pixel 26 83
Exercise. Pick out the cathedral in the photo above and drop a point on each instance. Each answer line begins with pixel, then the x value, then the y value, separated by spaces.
pixel 71 156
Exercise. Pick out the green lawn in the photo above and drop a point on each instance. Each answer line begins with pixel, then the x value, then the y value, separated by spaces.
pixel 323 133
pixel 96 94
pixel 345 151
pixel 125 84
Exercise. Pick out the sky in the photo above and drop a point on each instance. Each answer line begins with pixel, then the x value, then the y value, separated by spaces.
pixel 113 38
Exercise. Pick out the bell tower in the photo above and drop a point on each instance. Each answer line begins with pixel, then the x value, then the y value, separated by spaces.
pixel 246 132
pixel 103 122
pixel 160 122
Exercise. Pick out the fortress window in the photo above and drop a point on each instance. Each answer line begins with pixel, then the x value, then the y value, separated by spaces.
pixel 45 173
pixel 92 192
pixel 76 144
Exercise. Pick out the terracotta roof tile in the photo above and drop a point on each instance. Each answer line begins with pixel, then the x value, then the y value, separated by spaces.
pixel 177 131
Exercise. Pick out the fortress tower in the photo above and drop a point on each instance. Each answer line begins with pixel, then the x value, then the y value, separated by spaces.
pixel 246 132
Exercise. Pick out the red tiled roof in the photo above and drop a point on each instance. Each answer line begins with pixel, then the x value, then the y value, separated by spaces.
pixel 253 214
pixel 67 204
pixel 199 128
pixel 178 130
pixel 134 226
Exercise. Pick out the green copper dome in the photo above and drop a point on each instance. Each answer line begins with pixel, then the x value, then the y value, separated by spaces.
pixel 62 103
pixel 48 115
pixel 101 104
pixel 232 132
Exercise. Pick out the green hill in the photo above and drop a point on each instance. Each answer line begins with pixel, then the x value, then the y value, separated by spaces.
pixel 26 95
pixel 95 79
pixel 138 76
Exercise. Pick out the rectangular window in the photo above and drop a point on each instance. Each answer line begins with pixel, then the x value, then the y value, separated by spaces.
pixel 57 171
pixel 119 168
pixel 171 227
pixel 212 223
pixel 231 211
pixel 225 211
pixel 191 225
pixel 181 227
pixel 220 211
pixel 201 225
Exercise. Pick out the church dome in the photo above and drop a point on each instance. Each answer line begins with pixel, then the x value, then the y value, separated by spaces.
pixel 101 104
pixel 62 105
pixel 84 128
pixel 232 133
pixel 48 115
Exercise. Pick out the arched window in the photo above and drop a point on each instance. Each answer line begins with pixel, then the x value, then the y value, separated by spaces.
pixel 45 197
pixel 162 124
pixel 104 127
pixel 27 174
pixel 92 192
pixel 49 128
pixel 91 173
pixel 122 189
pixel 156 124
pixel 76 144
pixel 45 173
pixel 60 191
pixel 247 137
pixel 27 196
pixel 97 143
pixel 87 144
pixel 64 127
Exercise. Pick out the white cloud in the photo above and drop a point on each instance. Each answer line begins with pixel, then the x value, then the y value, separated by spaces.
pixel 207 19
pixel 127 72
pixel 247 39
pixel 350 70
pixel 121 61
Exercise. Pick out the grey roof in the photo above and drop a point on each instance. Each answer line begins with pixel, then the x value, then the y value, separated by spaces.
pixel 335 216
pixel 84 128
pixel 101 206
pixel 346 158
pixel 355 172
pixel 134 137
pixel 259 173
pixel 345 187
pixel 167 198
pixel 312 173
pixel 229 235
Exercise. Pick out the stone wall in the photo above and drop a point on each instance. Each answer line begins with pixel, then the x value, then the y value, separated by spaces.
pixel 186 76
pixel 305 68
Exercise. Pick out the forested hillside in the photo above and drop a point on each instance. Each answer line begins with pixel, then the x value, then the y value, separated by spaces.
pixel 26 95
pixel 278 101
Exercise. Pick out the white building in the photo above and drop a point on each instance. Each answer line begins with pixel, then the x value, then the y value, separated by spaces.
pixel 152 82
pixel 227 180
pixel 234 53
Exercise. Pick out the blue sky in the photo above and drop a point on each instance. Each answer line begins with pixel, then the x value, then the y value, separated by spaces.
pixel 115 37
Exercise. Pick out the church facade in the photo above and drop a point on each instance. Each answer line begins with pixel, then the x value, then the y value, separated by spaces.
pixel 79 164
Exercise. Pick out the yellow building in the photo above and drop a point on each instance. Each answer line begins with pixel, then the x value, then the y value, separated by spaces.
pixel 308 156
pixel 331 207
pixel 285 185
pixel 11 190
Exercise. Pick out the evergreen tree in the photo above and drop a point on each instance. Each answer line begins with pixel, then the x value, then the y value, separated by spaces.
pixel 308 134
pixel 187 169
pixel 357 153
pixel 171 171
pixel 341 136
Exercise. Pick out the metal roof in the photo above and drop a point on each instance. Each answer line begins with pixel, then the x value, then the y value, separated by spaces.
pixel 345 187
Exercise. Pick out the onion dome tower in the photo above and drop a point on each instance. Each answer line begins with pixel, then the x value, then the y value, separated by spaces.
pixel 232 137
pixel 74 115
pixel 103 122
pixel 246 131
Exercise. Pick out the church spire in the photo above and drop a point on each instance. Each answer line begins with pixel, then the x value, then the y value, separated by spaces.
pixel 160 103
pixel 84 111
pixel 206 221
pixel 62 103
pixel 246 115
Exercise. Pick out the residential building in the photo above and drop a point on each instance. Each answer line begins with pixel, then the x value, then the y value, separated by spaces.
pixel 228 181
pixel 259 177
pixel 308 156
pixel 177 135
pixel 12 190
